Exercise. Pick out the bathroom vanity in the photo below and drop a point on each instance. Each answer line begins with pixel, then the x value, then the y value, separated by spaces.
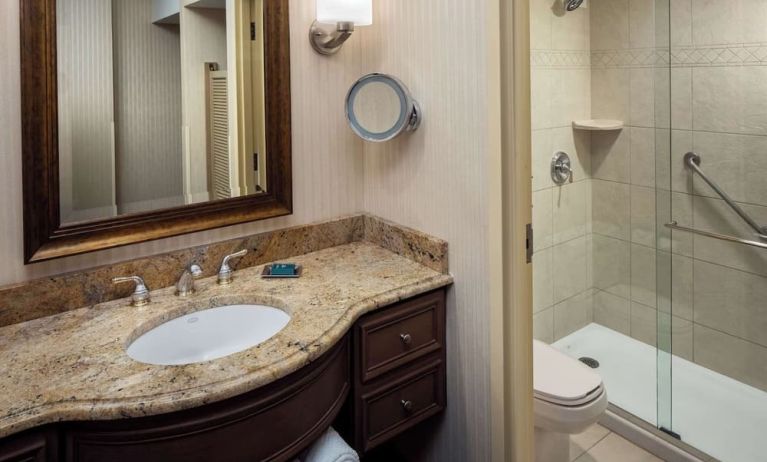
pixel 364 351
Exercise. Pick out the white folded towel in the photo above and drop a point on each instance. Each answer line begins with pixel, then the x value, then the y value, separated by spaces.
pixel 330 447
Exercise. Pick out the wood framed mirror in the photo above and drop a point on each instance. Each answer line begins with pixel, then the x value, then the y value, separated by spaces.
pixel 105 174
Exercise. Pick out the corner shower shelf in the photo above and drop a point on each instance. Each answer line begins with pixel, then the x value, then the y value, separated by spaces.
pixel 598 125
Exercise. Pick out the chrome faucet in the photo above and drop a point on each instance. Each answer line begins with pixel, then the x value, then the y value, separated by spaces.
pixel 225 272
pixel 140 295
pixel 185 284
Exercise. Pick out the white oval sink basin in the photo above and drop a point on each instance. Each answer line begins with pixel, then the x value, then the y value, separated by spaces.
pixel 209 334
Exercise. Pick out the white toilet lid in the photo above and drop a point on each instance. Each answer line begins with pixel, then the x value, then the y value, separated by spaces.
pixel 560 379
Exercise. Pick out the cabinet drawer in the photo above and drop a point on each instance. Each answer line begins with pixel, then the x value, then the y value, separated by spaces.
pixel 399 405
pixel 400 335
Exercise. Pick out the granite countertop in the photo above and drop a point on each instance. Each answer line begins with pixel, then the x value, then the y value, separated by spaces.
pixel 73 366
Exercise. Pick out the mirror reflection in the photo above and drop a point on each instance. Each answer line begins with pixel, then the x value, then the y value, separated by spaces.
pixel 151 112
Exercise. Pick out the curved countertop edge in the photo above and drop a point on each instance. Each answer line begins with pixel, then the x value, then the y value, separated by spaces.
pixel 74 411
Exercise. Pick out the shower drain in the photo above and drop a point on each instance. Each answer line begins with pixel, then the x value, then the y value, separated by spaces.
pixel 591 362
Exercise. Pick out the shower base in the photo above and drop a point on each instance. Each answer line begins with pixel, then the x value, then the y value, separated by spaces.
pixel 714 413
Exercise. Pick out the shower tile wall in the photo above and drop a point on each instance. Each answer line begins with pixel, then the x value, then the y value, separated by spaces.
pixel 719 89
pixel 595 251
pixel 563 294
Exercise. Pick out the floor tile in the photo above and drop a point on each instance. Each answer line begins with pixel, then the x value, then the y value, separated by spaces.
pixel 582 442
pixel 613 448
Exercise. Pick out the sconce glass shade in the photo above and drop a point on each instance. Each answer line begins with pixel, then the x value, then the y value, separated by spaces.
pixel 358 12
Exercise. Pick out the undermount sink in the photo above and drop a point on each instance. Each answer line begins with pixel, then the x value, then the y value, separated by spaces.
pixel 209 334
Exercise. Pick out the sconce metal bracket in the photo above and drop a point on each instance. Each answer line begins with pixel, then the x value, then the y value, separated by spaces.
pixel 326 41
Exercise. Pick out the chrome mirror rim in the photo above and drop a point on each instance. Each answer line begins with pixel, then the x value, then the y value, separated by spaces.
pixel 410 111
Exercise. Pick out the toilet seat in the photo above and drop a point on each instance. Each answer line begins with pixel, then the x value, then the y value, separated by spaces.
pixel 569 396
pixel 561 380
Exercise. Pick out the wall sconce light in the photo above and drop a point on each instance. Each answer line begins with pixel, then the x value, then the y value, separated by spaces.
pixel 343 16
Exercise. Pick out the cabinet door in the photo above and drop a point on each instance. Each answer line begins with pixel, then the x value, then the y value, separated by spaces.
pixel 37 446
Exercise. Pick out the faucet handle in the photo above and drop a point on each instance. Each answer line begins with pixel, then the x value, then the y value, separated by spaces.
pixel 140 295
pixel 196 270
pixel 225 272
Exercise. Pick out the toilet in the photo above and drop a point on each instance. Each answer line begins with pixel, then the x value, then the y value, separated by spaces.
pixel 569 398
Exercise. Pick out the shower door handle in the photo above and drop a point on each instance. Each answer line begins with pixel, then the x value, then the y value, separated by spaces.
pixel 722 237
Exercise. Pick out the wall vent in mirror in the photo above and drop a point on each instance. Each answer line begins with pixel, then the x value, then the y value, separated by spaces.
pixel 379 108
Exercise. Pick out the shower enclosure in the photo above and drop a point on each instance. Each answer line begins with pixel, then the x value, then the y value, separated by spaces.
pixel 652 258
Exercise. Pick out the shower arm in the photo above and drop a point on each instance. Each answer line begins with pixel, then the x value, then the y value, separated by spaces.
pixel 692 161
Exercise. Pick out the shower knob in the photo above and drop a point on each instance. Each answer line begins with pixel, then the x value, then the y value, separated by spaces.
pixel 561 168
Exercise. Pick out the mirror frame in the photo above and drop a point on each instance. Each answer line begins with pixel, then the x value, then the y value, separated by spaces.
pixel 46 238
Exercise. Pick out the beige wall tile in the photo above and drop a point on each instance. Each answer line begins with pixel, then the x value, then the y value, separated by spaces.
pixel 570 97
pixel 610 156
pixel 730 99
pixel 644 323
pixel 570 31
pixel 642 95
pixel 541 15
pixel 643 273
pixel 643 216
pixel 716 22
pixel 731 356
pixel 541 96
pixel 643 157
pixel 609 24
pixel 612 312
pixel 611 267
pixel 543 325
pixel 731 301
pixel 569 207
pixel 642 23
pixel 680 22
pixel 542 154
pixel 676 272
pixel 682 338
pixel 569 265
pixel 543 219
pixel 611 209
pixel 681 98
pixel 610 90
pixel 572 314
pixel 543 280
pixel 752 20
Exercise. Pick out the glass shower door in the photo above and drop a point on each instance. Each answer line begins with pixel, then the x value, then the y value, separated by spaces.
pixel 711 212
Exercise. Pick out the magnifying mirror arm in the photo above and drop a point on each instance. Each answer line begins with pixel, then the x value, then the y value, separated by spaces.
pixel 328 43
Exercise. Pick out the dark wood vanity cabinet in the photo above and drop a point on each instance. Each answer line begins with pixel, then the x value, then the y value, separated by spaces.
pixel 384 377
pixel 398 368
pixel 272 423
pixel 39 445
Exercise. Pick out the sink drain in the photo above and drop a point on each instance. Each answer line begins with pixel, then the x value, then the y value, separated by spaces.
pixel 591 362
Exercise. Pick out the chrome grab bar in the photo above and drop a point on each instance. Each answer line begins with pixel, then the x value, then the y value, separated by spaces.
pixel 692 161
pixel 723 237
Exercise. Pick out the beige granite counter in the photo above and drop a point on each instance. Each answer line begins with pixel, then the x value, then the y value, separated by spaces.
pixel 73 366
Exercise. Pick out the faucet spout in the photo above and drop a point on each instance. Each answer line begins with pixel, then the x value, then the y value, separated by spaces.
pixel 185 284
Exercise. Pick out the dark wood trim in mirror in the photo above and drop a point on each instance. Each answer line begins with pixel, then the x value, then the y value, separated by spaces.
pixel 46 238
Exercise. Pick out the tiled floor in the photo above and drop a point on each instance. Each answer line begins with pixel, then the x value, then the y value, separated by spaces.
pixel 598 444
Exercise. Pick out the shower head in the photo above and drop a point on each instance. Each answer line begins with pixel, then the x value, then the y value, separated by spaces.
pixel 572 5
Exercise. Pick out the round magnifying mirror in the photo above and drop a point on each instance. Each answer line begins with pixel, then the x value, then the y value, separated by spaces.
pixel 379 108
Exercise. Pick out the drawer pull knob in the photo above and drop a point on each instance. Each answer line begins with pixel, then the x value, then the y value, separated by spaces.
pixel 407 405
pixel 406 339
